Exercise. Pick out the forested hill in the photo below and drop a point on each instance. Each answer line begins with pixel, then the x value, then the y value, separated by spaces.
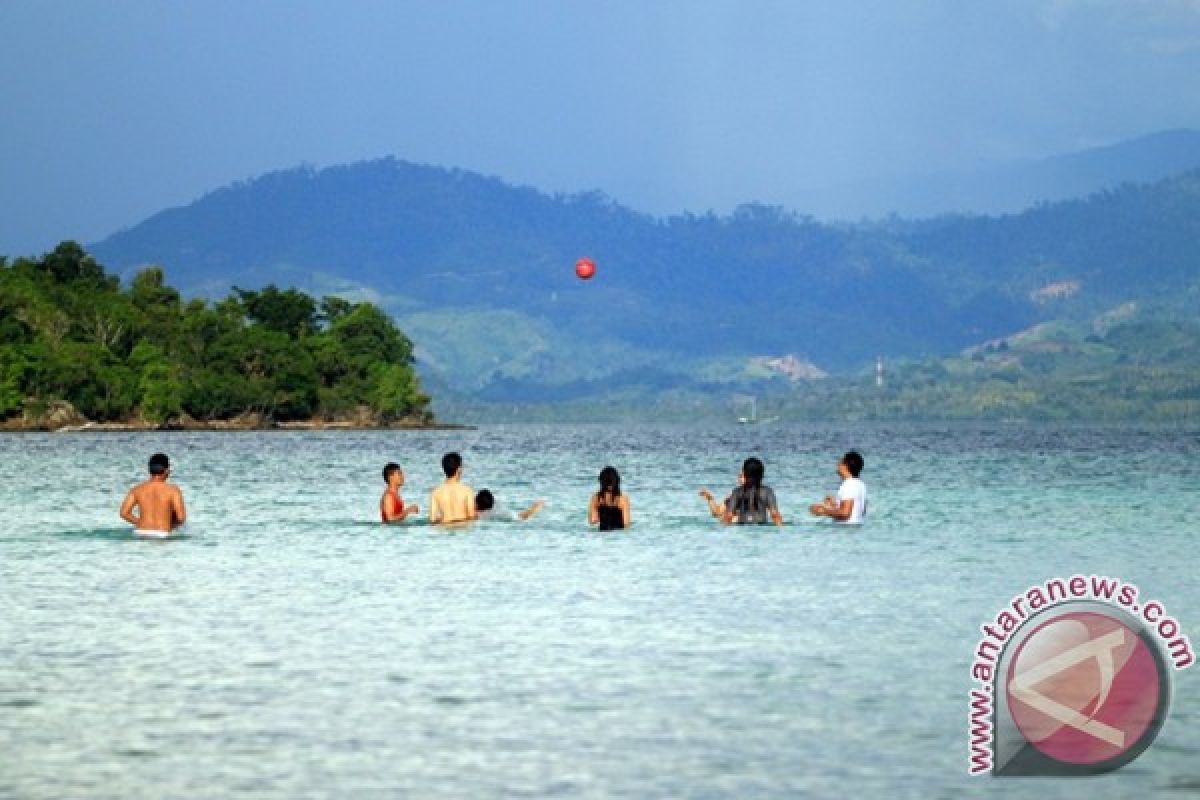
pixel 76 346
pixel 479 272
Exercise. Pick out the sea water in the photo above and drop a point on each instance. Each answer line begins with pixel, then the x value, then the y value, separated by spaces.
pixel 290 646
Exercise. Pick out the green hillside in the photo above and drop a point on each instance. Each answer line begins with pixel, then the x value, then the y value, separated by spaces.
pixel 480 273
pixel 71 336
pixel 1138 369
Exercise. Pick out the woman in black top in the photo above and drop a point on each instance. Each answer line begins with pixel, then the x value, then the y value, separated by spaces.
pixel 609 508
pixel 751 503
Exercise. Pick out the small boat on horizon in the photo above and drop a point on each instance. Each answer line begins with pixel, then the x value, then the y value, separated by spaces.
pixel 754 419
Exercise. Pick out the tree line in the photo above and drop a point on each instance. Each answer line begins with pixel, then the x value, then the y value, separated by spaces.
pixel 69 331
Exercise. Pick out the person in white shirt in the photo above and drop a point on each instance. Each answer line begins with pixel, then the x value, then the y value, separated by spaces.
pixel 850 506
pixel 485 508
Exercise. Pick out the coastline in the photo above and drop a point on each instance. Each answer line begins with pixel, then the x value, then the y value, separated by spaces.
pixel 218 427
pixel 226 427
pixel 64 419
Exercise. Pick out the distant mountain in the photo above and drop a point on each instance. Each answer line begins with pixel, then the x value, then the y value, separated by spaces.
pixel 1010 187
pixel 479 274
pixel 1120 366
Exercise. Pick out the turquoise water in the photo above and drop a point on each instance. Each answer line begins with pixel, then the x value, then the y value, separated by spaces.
pixel 289 646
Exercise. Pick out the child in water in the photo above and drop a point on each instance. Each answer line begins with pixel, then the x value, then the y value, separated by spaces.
pixel 751 502
pixel 609 509
pixel 391 505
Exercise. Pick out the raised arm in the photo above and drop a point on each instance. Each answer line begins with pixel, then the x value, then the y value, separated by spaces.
pixel 714 508
pixel 537 506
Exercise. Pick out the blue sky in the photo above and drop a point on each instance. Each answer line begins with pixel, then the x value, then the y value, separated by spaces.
pixel 114 110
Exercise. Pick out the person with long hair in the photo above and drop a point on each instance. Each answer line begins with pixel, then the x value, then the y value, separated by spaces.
pixel 751 503
pixel 609 508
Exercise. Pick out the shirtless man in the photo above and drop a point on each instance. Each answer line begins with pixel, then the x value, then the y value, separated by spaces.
pixel 159 504
pixel 453 501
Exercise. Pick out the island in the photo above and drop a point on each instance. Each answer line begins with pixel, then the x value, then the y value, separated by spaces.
pixel 80 351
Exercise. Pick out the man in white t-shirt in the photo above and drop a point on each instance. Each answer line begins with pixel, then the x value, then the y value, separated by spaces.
pixel 850 506
pixel 485 508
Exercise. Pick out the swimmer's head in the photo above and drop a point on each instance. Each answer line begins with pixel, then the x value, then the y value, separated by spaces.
pixel 391 469
pixel 484 500
pixel 753 471
pixel 610 481
pixel 853 462
pixel 451 464
pixel 159 465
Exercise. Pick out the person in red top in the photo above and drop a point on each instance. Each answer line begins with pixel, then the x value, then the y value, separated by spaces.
pixel 391 505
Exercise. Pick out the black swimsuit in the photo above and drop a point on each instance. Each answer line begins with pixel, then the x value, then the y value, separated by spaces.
pixel 612 518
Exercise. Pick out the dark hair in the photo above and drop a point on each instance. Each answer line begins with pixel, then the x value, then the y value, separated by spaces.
pixel 610 483
pixel 451 462
pixel 159 464
pixel 753 469
pixel 391 467
pixel 484 501
pixel 854 462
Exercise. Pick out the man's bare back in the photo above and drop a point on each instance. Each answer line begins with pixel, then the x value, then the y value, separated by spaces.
pixel 451 502
pixel 159 505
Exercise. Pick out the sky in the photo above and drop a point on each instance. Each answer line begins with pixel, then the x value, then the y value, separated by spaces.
pixel 112 110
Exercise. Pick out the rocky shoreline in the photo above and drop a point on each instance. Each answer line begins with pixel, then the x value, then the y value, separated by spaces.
pixel 63 418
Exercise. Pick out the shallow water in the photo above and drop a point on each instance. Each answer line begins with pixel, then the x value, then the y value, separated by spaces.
pixel 289 646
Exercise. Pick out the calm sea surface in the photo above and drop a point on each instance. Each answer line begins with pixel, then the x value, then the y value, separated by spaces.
pixel 289 646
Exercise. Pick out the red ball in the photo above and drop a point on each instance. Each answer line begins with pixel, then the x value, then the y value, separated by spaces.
pixel 585 268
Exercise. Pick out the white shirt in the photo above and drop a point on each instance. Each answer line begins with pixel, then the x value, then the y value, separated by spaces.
pixel 501 514
pixel 856 490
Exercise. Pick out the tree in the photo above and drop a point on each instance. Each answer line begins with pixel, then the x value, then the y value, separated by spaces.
pixel 69 263
pixel 395 393
pixel 149 291
pixel 368 336
pixel 334 308
pixel 69 332
pixel 12 368
pixel 161 393
pixel 289 311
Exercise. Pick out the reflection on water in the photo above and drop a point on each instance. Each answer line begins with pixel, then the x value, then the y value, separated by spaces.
pixel 289 645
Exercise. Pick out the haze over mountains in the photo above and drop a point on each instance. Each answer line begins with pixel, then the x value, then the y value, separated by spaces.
pixel 1012 186
pixel 479 273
